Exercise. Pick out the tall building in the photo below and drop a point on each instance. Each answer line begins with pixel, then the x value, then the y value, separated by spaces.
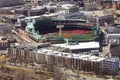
pixel 6 3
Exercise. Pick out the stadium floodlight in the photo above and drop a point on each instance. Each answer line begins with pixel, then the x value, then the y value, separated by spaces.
pixel 60 29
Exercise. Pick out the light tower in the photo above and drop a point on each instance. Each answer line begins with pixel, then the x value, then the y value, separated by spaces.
pixel 60 29
pixel 97 21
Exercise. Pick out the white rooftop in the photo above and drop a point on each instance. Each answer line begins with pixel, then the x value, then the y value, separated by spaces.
pixel 37 8
pixel 67 6
pixel 82 45
pixel 51 15
pixel 1 37
pixel 32 17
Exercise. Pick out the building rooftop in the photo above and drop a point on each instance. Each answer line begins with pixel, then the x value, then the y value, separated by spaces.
pixel 32 17
pixel 67 6
pixel 113 30
pixel 69 55
pixel 1 37
pixel 111 59
pixel 82 45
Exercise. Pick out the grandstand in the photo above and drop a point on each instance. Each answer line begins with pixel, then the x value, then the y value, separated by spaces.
pixel 73 28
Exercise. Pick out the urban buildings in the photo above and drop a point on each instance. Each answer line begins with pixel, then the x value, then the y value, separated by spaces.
pixel 4 43
pixel 7 3
pixel 26 54
pixel 65 34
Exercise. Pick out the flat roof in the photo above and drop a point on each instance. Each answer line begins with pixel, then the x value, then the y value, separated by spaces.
pixel 82 45
pixel 32 17
pixel 117 34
